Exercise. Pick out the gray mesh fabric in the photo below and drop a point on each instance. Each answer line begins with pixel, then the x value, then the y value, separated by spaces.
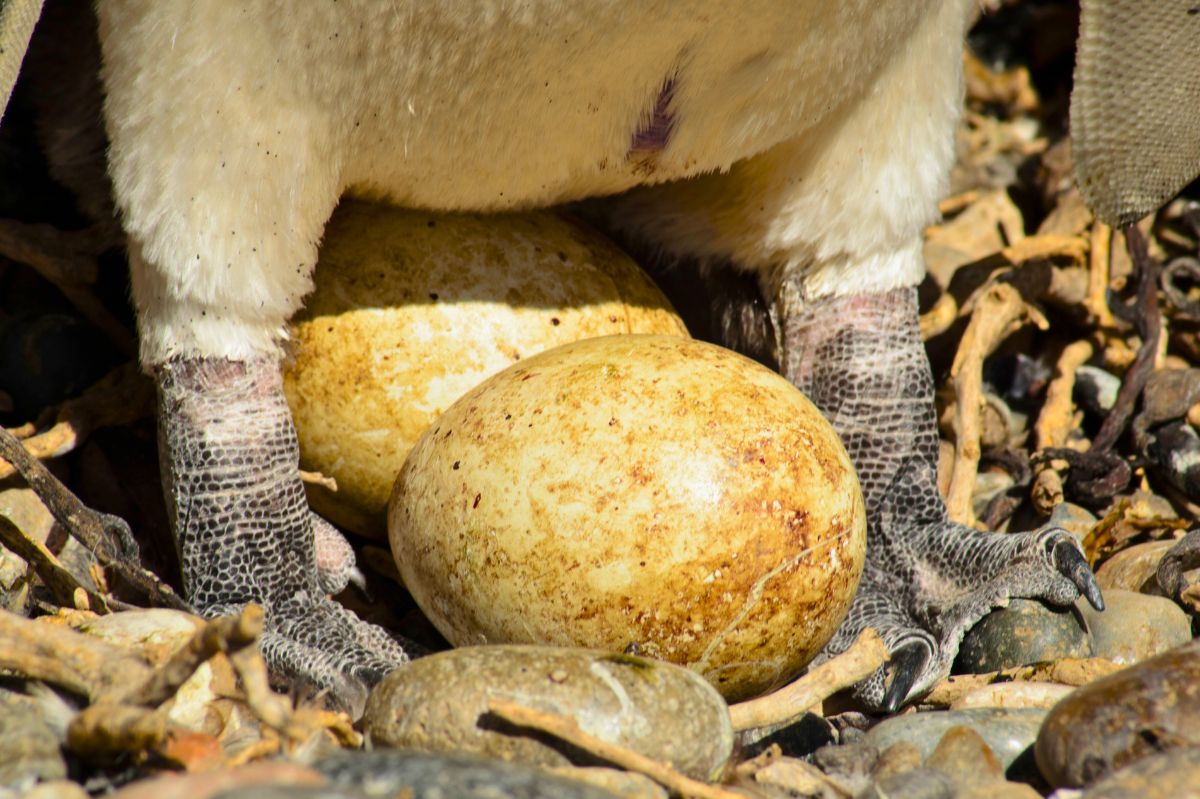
pixel 1135 109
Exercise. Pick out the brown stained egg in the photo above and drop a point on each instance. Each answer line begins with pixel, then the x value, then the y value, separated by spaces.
pixel 412 309
pixel 646 490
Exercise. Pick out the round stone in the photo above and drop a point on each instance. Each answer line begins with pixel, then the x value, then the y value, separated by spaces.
pixel 1025 632
pixel 1135 568
pixel 1133 626
pixel 1121 718
pixel 1167 775
pixel 431 775
pixel 440 703
pixel 30 751
pixel 1009 733
pixel 636 490
pixel 411 309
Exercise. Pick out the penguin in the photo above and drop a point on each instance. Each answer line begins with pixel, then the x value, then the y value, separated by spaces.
pixel 804 144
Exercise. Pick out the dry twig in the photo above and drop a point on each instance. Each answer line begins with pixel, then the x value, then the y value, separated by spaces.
pixel 1069 671
pixel 1147 318
pixel 1098 276
pixel 865 655
pixel 224 634
pixel 1054 425
pixel 80 663
pixel 122 396
pixel 999 311
pixel 88 527
pixel 1056 420
pixel 58 578
pixel 105 729
pixel 568 730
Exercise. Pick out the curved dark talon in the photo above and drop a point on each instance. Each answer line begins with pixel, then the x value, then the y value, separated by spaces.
pixel 119 529
pixel 908 661
pixel 1071 564
pixel 1181 557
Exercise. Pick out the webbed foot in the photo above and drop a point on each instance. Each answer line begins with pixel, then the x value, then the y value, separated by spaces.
pixel 927 580
pixel 244 530
pixel 923 606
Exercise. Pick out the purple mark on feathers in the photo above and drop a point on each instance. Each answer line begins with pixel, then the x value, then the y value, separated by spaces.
pixel 652 136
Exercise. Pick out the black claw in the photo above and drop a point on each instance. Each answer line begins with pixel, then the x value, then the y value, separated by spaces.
pixel 907 663
pixel 1071 563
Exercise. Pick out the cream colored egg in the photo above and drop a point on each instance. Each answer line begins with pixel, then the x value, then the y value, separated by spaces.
pixel 412 309
pixel 646 490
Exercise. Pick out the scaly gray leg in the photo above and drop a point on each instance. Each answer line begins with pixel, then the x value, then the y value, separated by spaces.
pixel 927 580
pixel 243 527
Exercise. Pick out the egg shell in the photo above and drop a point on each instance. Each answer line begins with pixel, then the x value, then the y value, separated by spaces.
pixel 647 490
pixel 412 309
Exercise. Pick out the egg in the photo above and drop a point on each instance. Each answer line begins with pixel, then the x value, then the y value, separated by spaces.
pixel 653 492
pixel 412 309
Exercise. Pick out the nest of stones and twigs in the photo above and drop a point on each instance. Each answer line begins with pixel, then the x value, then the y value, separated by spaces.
pixel 1067 356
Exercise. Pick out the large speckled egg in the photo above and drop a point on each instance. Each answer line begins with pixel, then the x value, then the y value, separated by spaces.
pixel 646 490
pixel 412 309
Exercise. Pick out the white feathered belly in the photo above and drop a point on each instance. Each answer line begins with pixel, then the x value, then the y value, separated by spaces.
pixel 235 127
pixel 477 104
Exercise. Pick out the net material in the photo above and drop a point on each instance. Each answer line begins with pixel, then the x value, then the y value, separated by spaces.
pixel 1135 111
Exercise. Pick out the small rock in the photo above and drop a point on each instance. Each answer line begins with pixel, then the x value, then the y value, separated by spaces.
pixel 1096 390
pixel 1043 695
pixel 1133 568
pixel 1167 775
pixel 29 749
pixel 969 763
pixel 293 792
pixel 851 764
pixel 1179 571
pixel 920 783
pixel 440 703
pixel 1168 395
pixel 1133 626
pixel 626 784
pixel 1002 789
pixel 1075 519
pixel 1120 718
pixel 213 783
pixel 203 703
pixel 14 583
pixel 898 758
pixel 1025 632
pixel 156 634
pixel 987 486
pixel 799 739
pixel 1175 447
pixel 22 507
pixel 1007 732
pixel 56 789
pixel 434 775
pixel 964 757
pixel 795 778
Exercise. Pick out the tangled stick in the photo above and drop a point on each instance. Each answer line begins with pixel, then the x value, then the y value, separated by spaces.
pixel 1096 302
pixel 122 396
pixel 1146 317
pixel 63 584
pixel 865 655
pixel 568 730
pixel 105 535
pixel 999 311
pixel 1055 423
